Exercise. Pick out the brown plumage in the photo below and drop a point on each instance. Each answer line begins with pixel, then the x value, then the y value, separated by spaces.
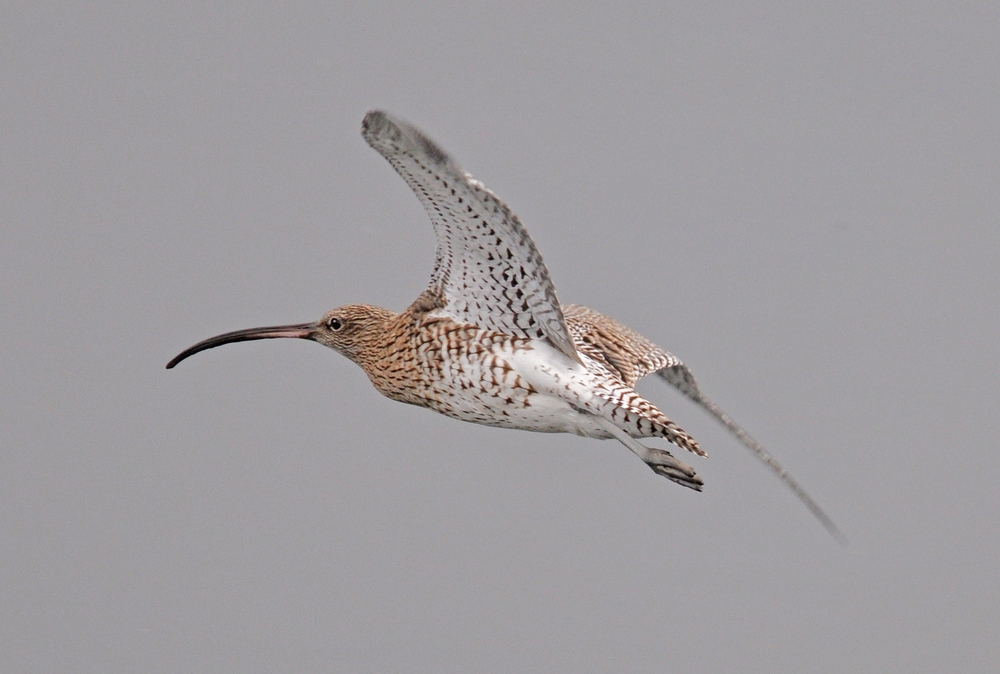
pixel 488 342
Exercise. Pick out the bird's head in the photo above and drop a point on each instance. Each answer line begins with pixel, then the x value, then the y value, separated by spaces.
pixel 352 328
pixel 349 330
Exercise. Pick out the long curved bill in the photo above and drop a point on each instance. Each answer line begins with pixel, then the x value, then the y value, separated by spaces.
pixel 300 331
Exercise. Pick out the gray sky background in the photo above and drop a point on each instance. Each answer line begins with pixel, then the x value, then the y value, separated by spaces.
pixel 802 202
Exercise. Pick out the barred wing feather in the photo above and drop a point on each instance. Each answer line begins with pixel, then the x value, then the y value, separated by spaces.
pixel 487 270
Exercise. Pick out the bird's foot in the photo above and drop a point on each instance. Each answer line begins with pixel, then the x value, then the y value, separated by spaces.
pixel 666 464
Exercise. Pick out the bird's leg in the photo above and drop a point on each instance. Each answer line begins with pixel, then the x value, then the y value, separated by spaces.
pixel 661 461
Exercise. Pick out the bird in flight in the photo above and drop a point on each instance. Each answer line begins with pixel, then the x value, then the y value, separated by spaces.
pixel 488 341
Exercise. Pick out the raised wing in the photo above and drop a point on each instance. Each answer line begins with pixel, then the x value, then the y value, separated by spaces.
pixel 487 270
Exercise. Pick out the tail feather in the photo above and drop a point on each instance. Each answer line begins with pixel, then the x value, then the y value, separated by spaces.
pixel 641 418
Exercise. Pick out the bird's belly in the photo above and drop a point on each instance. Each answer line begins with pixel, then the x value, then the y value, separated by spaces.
pixel 517 409
pixel 491 390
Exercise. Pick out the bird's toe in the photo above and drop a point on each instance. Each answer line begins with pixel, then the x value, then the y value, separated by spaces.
pixel 666 464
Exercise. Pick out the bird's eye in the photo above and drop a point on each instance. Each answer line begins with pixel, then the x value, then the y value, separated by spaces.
pixel 335 324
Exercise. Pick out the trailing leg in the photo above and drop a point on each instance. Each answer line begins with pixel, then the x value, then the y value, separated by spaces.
pixel 660 461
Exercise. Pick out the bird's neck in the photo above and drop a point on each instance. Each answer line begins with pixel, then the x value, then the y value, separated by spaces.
pixel 369 341
pixel 388 354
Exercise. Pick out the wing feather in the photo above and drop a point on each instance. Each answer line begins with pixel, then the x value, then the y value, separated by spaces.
pixel 617 345
pixel 487 270
pixel 633 356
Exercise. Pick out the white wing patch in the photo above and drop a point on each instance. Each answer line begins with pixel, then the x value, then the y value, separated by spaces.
pixel 487 270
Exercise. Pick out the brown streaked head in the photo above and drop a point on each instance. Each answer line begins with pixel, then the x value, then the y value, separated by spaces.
pixel 347 330
pixel 353 329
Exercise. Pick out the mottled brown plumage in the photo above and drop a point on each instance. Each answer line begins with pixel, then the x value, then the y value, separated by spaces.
pixel 488 342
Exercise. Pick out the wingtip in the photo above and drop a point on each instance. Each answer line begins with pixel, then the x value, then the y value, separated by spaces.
pixel 389 134
pixel 373 119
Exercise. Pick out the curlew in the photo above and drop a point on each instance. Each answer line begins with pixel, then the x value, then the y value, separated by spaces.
pixel 488 342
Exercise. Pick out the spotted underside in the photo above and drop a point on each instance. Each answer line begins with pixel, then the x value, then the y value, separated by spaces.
pixel 495 379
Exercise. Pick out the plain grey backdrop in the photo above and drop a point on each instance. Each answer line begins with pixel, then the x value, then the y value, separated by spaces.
pixel 801 201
